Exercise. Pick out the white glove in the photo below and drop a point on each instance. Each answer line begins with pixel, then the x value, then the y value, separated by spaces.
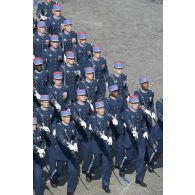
pixel 54 132
pixel 115 121
pixel 134 128
pixel 78 72
pixel 83 124
pixel 145 135
pixel 57 106
pixel 64 95
pixel 75 147
pixel 43 17
pixel 45 128
pixel 37 95
pixel 110 141
pixel 147 112
pixel 135 134
pixel 41 153
pixel 104 137
pixel 71 147
pixel 124 125
pixel 92 108
pixel 153 115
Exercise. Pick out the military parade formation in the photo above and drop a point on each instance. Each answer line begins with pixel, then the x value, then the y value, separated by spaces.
pixel 76 125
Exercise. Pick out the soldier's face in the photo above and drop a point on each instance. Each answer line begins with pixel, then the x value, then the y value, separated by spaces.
pixel 54 44
pixel 41 29
pixel 145 86
pixel 34 127
pixel 118 71
pixel 82 98
pixel 48 1
pixel 66 119
pixel 45 104
pixel 134 106
pixel 70 61
pixel 38 67
pixel 57 82
pixel 97 54
pixel 68 28
pixel 100 111
pixel 114 94
pixel 57 13
pixel 89 76
pixel 83 41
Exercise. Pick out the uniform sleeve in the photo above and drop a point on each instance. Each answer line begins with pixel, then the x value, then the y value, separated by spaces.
pixel 39 12
pixel 61 139
pixel 110 80
pixel 75 114
pixel 144 127
pixel 127 121
pixel 126 86
pixel 106 71
pixel 152 103
pixel 159 110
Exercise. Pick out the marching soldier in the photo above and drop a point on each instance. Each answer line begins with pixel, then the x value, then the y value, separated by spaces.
pixel 38 155
pixel 40 78
pixel 91 86
pixel 45 117
pixel 120 79
pixel 40 39
pixel 136 135
pixel 67 140
pixel 100 65
pixel 81 112
pixel 55 22
pixel 44 9
pixel 71 76
pixel 115 105
pixel 146 99
pixel 58 93
pixel 101 142
pixel 53 57
pixel 157 135
pixel 69 37
pixel 83 51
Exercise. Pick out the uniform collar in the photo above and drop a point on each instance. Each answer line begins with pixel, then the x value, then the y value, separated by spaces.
pixel 57 18
pixel 96 59
pixel 144 91
pixel 66 124
pixel 58 87
pixel 80 103
pixel 45 109
pixel 53 49
pixel 117 75
pixel 66 32
pixel 99 116
pixel 89 81
pixel 38 71
pixel 82 44
pixel 40 34
pixel 132 109
pixel 112 97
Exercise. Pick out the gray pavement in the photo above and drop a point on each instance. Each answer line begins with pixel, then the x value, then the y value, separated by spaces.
pixel 132 31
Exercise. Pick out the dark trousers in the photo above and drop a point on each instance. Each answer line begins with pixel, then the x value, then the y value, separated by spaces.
pixel 38 178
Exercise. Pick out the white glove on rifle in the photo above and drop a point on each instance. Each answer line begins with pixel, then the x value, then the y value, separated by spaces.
pixel 104 137
pixel 124 125
pixel 92 108
pixel 135 134
pixel 45 128
pixel 57 106
pixel 115 121
pixel 37 95
pixel 43 17
pixel 147 112
pixel 110 141
pixel 83 124
pixel 71 147
pixel 75 147
pixel 41 152
pixel 145 135
pixel 54 132
pixel 153 115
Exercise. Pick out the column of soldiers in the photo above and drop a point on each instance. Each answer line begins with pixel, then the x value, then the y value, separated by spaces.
pixel 73 121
